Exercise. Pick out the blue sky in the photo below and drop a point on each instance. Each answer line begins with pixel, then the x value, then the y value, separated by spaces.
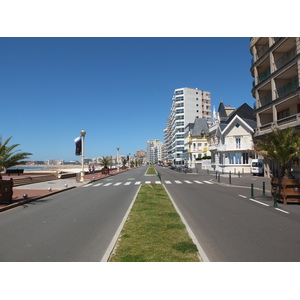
pixel 118 89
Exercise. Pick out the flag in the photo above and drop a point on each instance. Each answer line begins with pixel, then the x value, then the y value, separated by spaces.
pixel 78 146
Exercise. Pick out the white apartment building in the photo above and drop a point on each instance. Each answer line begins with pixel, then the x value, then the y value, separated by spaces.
pixel 187 104
pixel 154 151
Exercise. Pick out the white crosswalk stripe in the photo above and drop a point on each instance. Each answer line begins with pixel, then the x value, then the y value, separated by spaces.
pixel 146 182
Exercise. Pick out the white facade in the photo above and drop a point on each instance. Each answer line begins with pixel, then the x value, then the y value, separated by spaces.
pixel 231 146
pixel 187 105
pixel 154 151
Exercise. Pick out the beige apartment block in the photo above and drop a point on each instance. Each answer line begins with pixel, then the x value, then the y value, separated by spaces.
pixel 276 72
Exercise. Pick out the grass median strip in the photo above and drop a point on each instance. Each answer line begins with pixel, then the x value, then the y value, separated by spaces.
pixel 151 171
pixel 153 231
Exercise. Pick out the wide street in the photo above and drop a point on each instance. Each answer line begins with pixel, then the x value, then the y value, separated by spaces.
pixel 80 224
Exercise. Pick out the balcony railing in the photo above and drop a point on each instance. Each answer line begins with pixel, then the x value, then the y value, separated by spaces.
pixel 288 87
pixel 265 99
pixel 264 75
pixel 262 50
pixel 286 57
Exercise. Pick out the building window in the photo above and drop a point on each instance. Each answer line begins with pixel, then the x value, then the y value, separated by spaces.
pixel 238 143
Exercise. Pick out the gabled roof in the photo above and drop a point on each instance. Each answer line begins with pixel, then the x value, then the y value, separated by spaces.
pixel 240 120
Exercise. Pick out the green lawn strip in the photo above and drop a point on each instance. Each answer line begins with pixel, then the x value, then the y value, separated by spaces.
pixel 151 171
pixel 153 231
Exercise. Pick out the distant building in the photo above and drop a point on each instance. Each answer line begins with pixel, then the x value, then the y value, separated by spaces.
pixel 154 151
pixel 187 105
pixel 231 139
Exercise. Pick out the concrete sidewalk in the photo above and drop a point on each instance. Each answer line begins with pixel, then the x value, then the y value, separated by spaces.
pixel 43 189
pixel 245 181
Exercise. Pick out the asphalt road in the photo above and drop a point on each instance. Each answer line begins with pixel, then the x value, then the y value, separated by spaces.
pixel 232 228
pixel 77 225
pixel 80 224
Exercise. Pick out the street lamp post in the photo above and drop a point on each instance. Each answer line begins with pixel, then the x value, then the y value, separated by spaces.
pixel 82 173
pixel 128 161
pixel 118 148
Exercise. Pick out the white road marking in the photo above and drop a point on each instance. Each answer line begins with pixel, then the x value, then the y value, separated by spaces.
pixel 148 182
pixel 118 183
pixel 199 182
pixel 286 212
pixel 242 196
pixel 137 183
pixel 127 183
pixel 107 184
pixel 87 185
pixel 207 182
pixel 187 181
pixel 158 182
pixel 178 182
pixel 259 202
pixel 168 182
pixel 98 184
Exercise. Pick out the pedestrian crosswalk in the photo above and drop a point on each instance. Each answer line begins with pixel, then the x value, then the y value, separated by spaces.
pixel 127 183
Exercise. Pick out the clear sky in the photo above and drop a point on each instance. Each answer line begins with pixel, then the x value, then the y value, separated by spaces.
pixel 118 89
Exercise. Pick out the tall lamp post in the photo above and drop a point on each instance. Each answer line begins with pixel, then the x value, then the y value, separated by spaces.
pixel 82 173
pixel 128 161
pixel 118 148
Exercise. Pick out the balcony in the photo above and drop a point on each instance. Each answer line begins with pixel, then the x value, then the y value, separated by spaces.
pixel 286 57
pixel 287 88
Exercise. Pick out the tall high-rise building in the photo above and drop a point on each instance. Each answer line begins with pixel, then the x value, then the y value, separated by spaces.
pixel 276 71
pixel 187 104
pixel 154 151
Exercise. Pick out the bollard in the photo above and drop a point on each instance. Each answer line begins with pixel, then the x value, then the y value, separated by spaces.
pixel 216 174
pixel 239 174
pixel 252 191
pixel 264 189
pixel 230 177
pixel 275 197
pixel 219 177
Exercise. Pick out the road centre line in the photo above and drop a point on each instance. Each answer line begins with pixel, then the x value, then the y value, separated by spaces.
pixel 259 202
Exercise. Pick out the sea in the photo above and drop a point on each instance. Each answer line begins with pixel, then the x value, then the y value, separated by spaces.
pixel 30 169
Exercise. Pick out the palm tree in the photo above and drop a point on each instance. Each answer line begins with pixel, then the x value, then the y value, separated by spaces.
pixel 10 157
pixel 282 147
pixel 105 161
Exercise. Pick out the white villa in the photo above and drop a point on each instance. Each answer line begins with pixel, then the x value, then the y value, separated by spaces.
pixel 231 139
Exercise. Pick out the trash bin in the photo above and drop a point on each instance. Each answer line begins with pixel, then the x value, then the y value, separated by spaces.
pixel 78 177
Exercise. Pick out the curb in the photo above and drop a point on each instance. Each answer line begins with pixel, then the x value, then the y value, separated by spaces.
pixel 22 202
